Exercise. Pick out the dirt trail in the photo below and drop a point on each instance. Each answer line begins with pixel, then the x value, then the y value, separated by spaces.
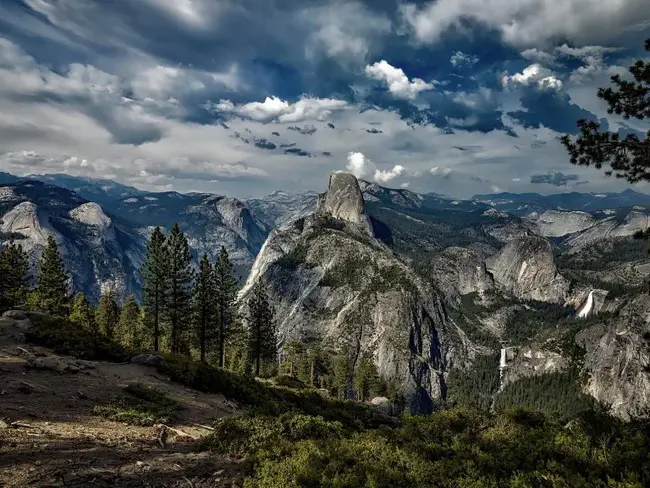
pixel 49 436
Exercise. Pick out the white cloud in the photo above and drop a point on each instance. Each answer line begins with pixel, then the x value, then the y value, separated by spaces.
pixel 274 108
pixel 534 75
pixel 359 165
pixel 460 59
pixel 386 176
pixel 437 170
pixel 529 23
pixel 537 56
pixel 397 81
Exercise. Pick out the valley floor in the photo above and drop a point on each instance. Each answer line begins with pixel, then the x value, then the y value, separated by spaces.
pixel 49 436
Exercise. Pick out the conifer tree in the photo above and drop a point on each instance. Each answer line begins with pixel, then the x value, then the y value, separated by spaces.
pixel 180 282
pixel 366 378
pixel 108 313
pixel 52 289
pixel 204 304
pixel 155 274
pixel 14 268
pixel 83 313
pixel 262 335
pixel 129 326
pixel 226 294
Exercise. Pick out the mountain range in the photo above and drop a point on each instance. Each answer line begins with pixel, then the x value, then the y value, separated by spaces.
pixel 453 299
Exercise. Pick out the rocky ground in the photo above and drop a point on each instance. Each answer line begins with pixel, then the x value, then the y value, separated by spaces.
pixel 49 436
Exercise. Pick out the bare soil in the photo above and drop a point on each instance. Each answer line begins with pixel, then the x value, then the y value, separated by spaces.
pixel 49 436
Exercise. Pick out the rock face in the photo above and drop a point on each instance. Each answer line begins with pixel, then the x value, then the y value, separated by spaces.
pixel 618 359
pixel 344 201
pixel 555 223
pixel 330 281
pixel 525 268
pixel 459 271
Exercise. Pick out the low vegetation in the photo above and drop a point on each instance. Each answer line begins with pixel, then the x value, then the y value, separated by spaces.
pixel 142 405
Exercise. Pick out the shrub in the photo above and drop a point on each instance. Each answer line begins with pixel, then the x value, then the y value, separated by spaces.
pixel 289 381
pixel 66 337
pixel 145 406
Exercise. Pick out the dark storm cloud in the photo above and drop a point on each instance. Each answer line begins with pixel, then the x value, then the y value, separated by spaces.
pixel 555 179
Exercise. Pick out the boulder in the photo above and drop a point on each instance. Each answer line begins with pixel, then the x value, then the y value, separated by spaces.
pixel 382 404
pixel 148 360
pixel 15 314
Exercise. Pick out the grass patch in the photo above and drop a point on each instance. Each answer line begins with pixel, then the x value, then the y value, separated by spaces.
pixel 143 406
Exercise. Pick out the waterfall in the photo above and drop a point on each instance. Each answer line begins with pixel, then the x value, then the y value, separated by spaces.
pixel 502 366
pixel 588 306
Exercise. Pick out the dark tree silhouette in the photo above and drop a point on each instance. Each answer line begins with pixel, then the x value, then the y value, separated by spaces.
pixel 627 157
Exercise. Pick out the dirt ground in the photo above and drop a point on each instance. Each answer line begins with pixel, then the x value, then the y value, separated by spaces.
pixel 50 438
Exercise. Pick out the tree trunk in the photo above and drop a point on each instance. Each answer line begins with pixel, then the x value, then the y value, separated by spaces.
pixel 311 374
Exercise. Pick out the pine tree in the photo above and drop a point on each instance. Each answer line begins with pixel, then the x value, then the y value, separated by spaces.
pixel 155 274
pixel 226 294
pixel 108 313
pixel 204 304
pixel 83 313
pixel 262 336
pixel 295 356
pixel 129 326
pixel 14 268
pixel 629 156
pixel 180 282
pixel 366 378
pixel 52 288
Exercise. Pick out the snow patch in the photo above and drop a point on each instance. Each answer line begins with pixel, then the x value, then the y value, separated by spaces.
pixel 131 200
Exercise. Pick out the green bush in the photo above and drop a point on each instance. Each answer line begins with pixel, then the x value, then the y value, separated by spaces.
pixel 68 338
pixel 145 406
pixel 289 381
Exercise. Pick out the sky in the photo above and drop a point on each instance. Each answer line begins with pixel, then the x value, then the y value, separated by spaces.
pixel 244 97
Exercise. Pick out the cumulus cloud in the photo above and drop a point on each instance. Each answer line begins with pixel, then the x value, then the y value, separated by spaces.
pixel 528 23
pixel 538 56
pixel 555 179
pixel 397 81
pixel 359 165
pixel 534 75
pixel 460 59
pixel 274 108
pixel 386 176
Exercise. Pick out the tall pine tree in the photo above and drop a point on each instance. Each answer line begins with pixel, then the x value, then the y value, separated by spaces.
pixel 83 313
pixel 262 336
pixel 108 313
pixel 204 305
pixel 52 289
pixel 226 294
pixel 155 274
pixel 180 282
pixel 14 268
pixel 129 326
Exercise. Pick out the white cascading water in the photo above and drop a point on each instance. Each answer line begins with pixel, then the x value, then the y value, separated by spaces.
pixel 588 306
pixel 502 366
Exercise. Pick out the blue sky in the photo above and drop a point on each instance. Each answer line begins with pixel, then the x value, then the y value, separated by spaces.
pixel 249 96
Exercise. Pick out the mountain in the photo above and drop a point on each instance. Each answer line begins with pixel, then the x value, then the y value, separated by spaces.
pixel 526 203
pixel 98 251
pixel 331 280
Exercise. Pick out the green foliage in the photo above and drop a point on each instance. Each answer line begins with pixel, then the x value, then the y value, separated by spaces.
pixel 456 448
pixel 603 255
pixel 206 332
pixel 180 276
pixel 129 329
pixel 67 338
pixel 226 294
pixel 476 387
pixel 144 406
pixel 83 313
pixel 527 322
pixel 289 381
pixel 628 157
pixel 293 259
pixel 108 313
pixel 52 288
pixel 262 334
pixel 350 271
pixel 156 284
pixel 14 268
pixel 556 394
pixel 367 382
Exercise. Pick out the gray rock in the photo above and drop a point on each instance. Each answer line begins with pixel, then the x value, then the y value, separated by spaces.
pixel 382 404
pixel 344 201
pixel 148 360
pixel 459 271
pixel 15 314
pixel 525 268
